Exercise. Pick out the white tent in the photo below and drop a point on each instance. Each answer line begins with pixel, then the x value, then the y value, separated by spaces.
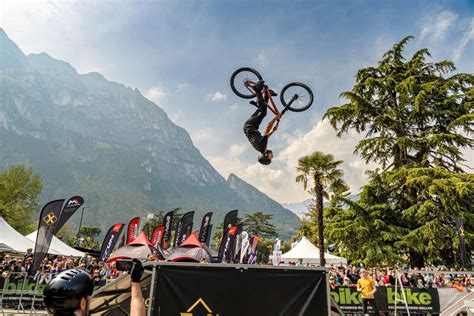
pixel 305 250
pixel 13 239
pixel 58 245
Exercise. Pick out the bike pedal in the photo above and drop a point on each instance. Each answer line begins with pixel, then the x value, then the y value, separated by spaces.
pixel 253 103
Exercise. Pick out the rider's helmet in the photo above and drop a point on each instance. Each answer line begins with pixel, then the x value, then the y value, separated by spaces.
pixel 63 294
pixel 264 159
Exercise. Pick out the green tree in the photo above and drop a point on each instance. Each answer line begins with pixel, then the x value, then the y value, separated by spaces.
pixel 411 112
pixel 416 118
pixel 86 238
pixel 259 223
pixel 322 170
pixel 19 190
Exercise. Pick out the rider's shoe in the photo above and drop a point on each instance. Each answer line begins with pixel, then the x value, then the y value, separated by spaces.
pixel 272 93
pixel 259 85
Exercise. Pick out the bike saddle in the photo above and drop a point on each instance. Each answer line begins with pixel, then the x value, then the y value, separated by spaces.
pixel 254 103
pixel 272 93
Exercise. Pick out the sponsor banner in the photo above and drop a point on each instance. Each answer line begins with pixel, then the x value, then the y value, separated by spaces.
pixel 168 224
pixel 69 208
pixel 227 245
pixel 234 255
pixel 206 222
pixel 230 220
pixel 184 228
pixel 419 300
pixel 132 230
pixel 277 245
pixel 244 247
pixel 48 221
pixel 209 233
pixel 110 241
pixel 198 290
pixel 157 235
pixel 146 230
pixel 276 257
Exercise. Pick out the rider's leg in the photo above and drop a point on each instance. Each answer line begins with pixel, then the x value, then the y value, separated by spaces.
pixel 253 123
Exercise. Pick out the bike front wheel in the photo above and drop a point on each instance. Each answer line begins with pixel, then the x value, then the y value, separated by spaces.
pixel 241 81
pixel 297 96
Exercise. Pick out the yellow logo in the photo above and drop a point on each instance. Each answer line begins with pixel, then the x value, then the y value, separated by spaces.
pixel 50 219
pixel 199 301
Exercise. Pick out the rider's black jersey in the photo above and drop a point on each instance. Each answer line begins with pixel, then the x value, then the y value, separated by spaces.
pixel 258 141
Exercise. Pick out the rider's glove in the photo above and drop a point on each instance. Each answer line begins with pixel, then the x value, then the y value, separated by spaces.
pixel 137 271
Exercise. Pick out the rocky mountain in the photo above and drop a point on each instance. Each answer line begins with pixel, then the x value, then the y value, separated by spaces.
pixel 105 141
pixel 298 208
pixel 301 208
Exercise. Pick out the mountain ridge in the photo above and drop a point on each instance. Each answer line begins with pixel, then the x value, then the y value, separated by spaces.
pixel 105 141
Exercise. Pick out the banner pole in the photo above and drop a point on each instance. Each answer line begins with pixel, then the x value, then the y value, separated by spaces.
pixel 80 223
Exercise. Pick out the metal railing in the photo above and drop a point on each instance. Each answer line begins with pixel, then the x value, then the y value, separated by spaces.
pixel 22 293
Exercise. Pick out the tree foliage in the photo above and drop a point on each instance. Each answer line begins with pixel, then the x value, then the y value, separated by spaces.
pixel 411 111
pixel 259 223
pixel 323 172
pixel 86 238
pixel 417 117
pixel 19 190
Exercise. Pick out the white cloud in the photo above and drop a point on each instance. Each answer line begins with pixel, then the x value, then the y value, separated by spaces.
pixel 262 59
pixel 182 86
pixel 467 37
pixel 216 97
pixel 322 137
pixel 234 107
pixel 278 179
pixel 156 94
pixel 436 26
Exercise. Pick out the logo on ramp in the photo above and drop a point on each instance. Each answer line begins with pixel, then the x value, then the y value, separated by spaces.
pixel 201 302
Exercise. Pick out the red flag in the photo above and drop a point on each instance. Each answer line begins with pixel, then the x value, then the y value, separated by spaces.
pixel 132 231
pixel 157 235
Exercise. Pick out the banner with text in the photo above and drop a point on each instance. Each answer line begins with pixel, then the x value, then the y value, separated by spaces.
pixel 419 300
pixel 110 241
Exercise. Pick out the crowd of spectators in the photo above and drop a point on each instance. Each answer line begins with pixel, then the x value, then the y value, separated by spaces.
pixel 422 278
pixel 16 267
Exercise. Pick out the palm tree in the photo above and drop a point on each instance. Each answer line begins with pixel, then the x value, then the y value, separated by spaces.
pixel 322 170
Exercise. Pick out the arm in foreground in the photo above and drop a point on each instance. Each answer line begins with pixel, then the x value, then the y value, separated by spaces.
pixel 137 303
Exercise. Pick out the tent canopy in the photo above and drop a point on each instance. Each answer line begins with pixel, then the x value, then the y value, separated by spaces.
pixel 141 240
pixel 140 252
pixel 13 239
pixel 58 246
pixel 310 254
pixel 191 250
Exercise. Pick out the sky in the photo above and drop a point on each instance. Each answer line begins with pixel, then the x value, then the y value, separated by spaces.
pixel 180 54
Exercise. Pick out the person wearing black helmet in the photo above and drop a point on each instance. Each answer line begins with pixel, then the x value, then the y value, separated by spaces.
pixel 251 126
pixel 68 294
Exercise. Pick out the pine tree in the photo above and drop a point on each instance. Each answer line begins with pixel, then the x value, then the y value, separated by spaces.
pixel 416 118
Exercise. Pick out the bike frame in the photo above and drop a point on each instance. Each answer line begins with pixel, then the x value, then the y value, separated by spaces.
pixel 266 93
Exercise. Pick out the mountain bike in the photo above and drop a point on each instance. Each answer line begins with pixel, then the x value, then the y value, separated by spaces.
pixel 295 96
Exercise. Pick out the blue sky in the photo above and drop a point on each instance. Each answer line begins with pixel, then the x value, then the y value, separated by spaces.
pixel 180 54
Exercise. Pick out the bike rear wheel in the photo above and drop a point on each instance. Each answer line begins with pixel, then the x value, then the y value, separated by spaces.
pixel 241 78
pixel 299 94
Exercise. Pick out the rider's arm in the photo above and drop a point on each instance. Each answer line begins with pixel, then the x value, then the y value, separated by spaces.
pixel 268 130
pixel 137 303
